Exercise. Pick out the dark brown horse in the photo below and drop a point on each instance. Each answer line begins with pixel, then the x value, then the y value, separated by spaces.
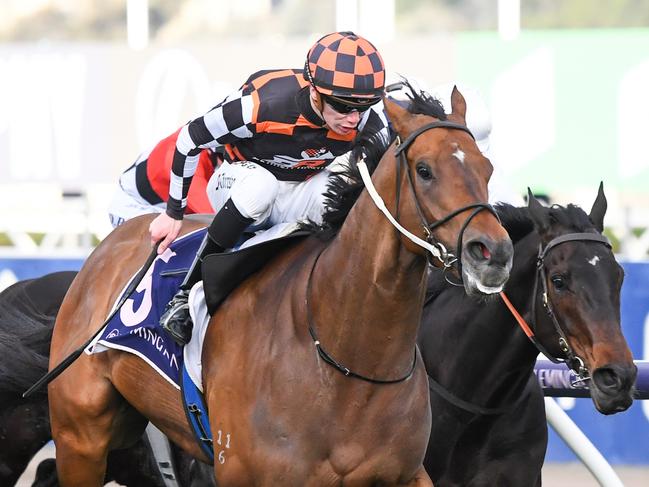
pixel 489 424
pixel 27 311
pixel 285 415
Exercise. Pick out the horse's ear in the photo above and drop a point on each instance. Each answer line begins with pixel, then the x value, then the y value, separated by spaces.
pixel 538 213
pixel 598 210
pixel 398 116
pixel 458 106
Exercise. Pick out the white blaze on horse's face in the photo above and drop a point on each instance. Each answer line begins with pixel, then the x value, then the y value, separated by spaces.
pixel 594 260
pixel 458 154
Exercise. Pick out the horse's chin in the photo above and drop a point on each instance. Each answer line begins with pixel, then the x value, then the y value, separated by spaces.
pixel 474 285
pixel 611 404
pixel 611 387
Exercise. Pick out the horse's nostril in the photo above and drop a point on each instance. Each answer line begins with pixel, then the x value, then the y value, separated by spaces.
pixel 606 378
pixel 479 251
pixel 485 252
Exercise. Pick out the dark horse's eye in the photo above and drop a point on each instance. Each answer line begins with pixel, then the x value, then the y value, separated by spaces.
pixel 558 282
pixel 423 171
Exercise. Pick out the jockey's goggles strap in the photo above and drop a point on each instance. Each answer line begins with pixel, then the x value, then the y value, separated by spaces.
pixel 380 204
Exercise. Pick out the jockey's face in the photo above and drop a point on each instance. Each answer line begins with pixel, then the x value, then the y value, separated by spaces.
pixel 341 123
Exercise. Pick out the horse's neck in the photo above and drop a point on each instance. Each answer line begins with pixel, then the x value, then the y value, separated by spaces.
pixel 370 291
pixel 487 349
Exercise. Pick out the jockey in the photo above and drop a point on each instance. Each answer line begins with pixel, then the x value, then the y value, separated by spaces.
pixel 144 186
pixel 279 133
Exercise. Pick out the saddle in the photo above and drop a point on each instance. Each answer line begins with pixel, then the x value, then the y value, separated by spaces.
pixel 222 273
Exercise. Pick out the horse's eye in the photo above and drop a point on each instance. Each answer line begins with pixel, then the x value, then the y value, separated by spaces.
pixel 424 172
pixel 558 282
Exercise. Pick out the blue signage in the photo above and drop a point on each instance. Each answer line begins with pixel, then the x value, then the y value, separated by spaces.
pixel 14 269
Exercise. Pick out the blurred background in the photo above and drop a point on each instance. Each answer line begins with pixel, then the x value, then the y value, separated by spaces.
pixel 86 86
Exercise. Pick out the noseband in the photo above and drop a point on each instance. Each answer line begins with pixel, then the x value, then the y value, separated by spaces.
pixel 444 256
pixel 572 360
pixel 437 249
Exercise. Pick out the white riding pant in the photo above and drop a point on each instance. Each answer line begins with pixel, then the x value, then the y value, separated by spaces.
pixel 257 194
pixel 127 202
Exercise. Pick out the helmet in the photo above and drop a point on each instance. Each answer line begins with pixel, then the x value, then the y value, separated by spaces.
pixel 478 118
pixel 346 65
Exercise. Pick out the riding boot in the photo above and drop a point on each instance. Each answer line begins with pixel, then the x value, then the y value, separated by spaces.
pixel 224 232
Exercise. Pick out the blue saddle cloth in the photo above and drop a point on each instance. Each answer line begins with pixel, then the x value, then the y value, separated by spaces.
pixel 136 327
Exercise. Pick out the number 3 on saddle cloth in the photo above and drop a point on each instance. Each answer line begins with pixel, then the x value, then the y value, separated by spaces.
pixel 136 329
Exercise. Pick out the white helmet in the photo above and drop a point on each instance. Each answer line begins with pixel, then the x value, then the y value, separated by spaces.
pixel 478 119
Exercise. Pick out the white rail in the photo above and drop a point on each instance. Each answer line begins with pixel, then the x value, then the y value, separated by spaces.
pixel 580 445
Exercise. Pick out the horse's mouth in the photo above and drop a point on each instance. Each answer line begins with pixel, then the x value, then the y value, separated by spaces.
pixel 486 266
pixel 482 278
pixel 473 285
pixel 608 405
pixel 612 387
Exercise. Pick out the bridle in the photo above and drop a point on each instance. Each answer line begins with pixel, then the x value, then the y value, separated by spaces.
pixel 446 258
pixel 436 248
pixel 572 360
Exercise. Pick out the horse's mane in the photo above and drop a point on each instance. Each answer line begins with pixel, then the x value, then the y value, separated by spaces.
pixel 515 219
pixel 518 223
pixel 346 185
pixel 25 336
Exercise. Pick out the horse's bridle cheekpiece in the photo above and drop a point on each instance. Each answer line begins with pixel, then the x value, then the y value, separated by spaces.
pixel 572 360
pixel 436 249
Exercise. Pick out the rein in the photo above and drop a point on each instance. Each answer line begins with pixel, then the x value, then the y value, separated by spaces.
pixel 451 398
pixel 572 360
pixel 327 358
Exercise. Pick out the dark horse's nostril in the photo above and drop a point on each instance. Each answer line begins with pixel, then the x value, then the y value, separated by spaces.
pixel 606 378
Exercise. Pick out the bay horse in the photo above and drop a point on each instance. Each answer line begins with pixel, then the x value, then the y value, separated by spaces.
pixel 28 309
pixel 489 425
pixel 288 412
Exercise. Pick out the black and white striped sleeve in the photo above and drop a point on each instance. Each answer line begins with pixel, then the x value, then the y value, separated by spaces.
pixel 375 121
pixel 227 122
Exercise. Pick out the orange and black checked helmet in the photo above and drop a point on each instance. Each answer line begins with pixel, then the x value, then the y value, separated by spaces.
pixel 346 65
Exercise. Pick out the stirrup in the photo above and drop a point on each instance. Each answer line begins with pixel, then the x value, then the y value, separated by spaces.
pixel 176 320
pixel 181 297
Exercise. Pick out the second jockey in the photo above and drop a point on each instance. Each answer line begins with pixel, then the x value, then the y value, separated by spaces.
pixel 278 133
pixel 144 186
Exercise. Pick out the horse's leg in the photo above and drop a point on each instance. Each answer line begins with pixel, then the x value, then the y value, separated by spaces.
pixel 46 474
pixel 88 418
pixel 82 441
pixel 24 429
pixel 134 466
pixel 422 479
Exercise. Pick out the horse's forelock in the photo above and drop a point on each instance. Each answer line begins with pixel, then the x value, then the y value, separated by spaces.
pixel 422 103
pixel 571 216
pixel 518 223
pixel 516 220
